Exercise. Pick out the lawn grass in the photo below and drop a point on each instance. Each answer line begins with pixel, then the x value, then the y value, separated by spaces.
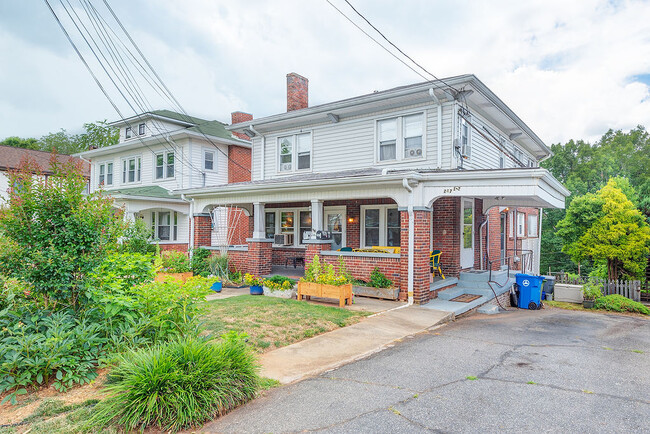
pixel 576 306
pixel 275 322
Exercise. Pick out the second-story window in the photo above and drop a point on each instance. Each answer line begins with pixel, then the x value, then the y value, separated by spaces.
pixel 127 133
pixel 294 152
pixel 465 144
pixel 131 169
pixel 105 174
pixel 401 138
pixel 164 165
pixel 208 160
pixel 141 129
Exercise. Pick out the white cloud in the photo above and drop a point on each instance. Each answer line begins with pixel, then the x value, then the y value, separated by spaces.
pixel 564 67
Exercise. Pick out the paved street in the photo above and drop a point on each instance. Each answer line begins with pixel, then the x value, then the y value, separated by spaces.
pixel 536 371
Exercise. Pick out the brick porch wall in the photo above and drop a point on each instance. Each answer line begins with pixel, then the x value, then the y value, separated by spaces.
pixel 280 255
pixel 202 231
pixel 421 270
pixel 446 233
pixel 360 267
pixel 238 260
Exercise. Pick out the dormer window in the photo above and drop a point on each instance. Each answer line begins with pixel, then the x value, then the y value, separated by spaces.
pixel 141 129
pixel 127 133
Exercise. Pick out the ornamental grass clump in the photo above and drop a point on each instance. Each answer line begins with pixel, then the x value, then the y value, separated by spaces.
pixel 178 385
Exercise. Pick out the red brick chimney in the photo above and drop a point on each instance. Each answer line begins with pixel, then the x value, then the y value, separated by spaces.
pixel 237 117
pixel 297 92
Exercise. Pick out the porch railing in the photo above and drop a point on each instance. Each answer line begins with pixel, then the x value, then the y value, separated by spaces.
pixel 523 257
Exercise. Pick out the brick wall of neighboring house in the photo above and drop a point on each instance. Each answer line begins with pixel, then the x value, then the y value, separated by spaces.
pixel 238 117
pixel 202 231
pixel 297 92
pixel 446 233
pixel 281 254
pixel 239 164
pixel 238 226
pixel 175 246
pixel 494 237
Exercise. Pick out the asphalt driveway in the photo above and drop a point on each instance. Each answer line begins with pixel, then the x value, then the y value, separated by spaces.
pixel 535 371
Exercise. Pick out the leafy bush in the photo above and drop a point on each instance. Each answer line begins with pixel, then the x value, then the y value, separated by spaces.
pixel 55 233
pixel 137 237
pixel 379 279
pixel 279 283
pixel 201 262
pixel 592 290
pixel 323 273
pixel 123 270
pixel 37 345
pixel 173 261
pixel 178 384
pixel 618 303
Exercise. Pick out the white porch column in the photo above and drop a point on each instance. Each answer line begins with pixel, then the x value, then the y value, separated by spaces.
pixel 259 231
pixel 316 217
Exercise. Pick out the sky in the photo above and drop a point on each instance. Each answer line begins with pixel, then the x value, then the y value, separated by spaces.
pixel 569 69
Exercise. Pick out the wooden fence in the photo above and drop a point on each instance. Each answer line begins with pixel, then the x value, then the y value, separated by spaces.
pixel 627 288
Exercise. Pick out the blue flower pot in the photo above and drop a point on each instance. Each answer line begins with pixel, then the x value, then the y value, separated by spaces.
pixel 257 290
pixel 216 286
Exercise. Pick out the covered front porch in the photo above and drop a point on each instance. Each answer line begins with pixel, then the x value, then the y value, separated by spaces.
pixel 391 220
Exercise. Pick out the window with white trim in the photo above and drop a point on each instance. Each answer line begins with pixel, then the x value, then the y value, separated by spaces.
pixel 105 174
pixel 141 129
pixel 465 144
pixel 521 224
pixel 400 138
pixel 532 225
pixel 288 221
pixel 165 225
pixel 164 165
pixel 269 224
pixel 294 152
pixel 127 133
pixel 131 170
pixel 380 225
pixel 208 160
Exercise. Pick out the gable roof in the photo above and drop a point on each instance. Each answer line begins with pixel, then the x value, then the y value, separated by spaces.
pixel 12 157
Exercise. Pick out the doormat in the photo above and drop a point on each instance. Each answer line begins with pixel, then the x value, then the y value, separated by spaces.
pixel 465 298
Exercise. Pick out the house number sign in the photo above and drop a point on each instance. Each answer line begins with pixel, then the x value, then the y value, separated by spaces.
pixel 451 189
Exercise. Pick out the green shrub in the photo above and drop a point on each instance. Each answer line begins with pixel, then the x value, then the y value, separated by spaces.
pixel 201 262
pixel 618 303
pixel 174 261
pixel 379 279
pixel 137 238
pixel 178 385
pixel 323 273
pixel 592 290
pixel 123 270
pixel 279 283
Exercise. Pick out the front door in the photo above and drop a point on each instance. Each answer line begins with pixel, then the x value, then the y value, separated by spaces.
pixel 335 223
pixel 467 233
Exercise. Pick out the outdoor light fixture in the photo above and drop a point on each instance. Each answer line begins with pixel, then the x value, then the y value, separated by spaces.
pixel 514 136
pixel 350 219
pixel 332 117
pixel 249 133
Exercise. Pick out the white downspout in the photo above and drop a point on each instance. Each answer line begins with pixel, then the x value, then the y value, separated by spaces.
pixel 263 151
pixel 539 242
pixel 439 122
pixel 411 250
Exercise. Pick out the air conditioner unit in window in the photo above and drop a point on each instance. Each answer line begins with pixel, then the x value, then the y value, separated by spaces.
pixel 283 239
pixel 285 166
pixel 419 152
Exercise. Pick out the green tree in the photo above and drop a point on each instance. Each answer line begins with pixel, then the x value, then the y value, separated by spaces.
pixel 606 227
pixel 55 234
pixel 17 142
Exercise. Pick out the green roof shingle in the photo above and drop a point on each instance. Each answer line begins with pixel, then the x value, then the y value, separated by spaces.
pixel 149 191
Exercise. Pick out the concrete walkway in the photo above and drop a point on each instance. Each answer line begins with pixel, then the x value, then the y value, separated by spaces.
pixel 336 348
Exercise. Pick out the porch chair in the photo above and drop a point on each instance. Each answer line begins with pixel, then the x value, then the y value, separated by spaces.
pixel 434 263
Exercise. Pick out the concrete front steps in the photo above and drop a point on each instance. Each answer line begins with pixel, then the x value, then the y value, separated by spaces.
pixel 474 282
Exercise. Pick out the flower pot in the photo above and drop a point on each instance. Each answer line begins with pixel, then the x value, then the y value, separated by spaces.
pixel 216 286
pixel 256 290
pixel 280 293
pixel 588 304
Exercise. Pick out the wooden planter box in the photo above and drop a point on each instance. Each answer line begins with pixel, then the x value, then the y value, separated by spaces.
pixel 369 291
pixel 343 293
pixel 179 277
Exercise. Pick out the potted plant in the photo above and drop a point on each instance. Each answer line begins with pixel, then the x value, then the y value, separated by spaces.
pixel 279 286
pixel 590 292
pixel 321 280
pixel 255 284
pixel 217 285
pixel 377 286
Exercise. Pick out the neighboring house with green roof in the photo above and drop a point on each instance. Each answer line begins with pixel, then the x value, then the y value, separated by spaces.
pixel 161 151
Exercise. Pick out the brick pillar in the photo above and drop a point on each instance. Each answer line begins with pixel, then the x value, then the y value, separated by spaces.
pixel 259 257
pixel 314 247
pixel 202 230
pixel 353 228
pixel 421 227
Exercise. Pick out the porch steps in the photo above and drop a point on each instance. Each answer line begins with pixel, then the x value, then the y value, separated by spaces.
pixel 475 283
pixel 443 283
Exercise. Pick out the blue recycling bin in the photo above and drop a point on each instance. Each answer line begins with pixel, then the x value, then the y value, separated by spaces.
pixel 530 290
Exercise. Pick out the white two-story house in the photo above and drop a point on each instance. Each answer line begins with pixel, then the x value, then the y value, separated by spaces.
pixel 385 179
pixel 162 151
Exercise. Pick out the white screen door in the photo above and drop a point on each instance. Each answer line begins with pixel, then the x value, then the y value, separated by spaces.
pixel 467 233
